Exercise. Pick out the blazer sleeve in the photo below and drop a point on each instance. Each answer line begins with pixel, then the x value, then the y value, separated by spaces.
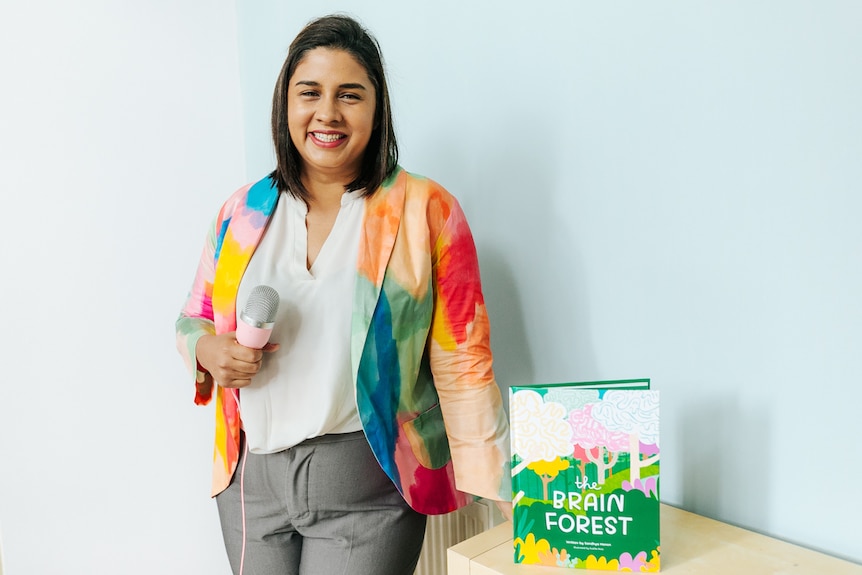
pixel 461 363
pixel 196 318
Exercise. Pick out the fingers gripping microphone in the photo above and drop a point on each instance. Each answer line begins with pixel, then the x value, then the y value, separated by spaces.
pixel 258 317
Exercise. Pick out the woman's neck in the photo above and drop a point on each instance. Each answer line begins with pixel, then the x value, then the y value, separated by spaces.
pixel 324 193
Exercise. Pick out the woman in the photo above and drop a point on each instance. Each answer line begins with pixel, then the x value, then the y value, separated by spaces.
pixel 338 448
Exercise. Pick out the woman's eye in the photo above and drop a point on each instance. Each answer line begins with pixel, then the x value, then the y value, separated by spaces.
pixel 350 97
pixel 308 94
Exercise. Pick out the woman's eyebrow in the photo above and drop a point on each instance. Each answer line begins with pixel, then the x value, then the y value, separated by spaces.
pixel 348 85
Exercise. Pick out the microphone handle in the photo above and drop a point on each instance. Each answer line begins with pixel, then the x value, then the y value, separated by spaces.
pixel 253 337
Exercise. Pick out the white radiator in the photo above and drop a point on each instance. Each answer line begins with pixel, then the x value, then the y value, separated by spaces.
pixel 444 531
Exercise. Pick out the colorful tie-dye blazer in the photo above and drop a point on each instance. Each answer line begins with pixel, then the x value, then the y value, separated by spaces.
pixel 419 349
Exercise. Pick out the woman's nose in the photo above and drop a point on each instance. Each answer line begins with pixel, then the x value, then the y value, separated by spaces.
pixel 327 110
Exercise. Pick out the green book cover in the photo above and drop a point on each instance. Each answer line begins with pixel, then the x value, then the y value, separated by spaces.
pixel 585 475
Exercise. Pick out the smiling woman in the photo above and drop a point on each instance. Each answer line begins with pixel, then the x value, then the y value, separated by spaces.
pixel 339 46
pixel 331 105
pixel 363 418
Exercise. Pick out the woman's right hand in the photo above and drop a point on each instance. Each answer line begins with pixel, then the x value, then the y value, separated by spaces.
pixel 231 365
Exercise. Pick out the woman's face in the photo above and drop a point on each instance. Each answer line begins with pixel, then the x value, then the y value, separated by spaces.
pixel 330 114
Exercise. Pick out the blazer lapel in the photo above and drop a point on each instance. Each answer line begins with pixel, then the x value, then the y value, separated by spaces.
pixel 242 235
pixel 383 212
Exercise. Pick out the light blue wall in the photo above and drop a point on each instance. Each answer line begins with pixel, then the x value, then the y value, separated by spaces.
pixel 120 135
pixel 657 189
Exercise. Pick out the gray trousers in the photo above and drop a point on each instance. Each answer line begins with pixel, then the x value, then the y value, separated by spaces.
pixel 323 507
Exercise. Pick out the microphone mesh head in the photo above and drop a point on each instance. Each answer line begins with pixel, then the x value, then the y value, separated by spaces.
pixel 262 304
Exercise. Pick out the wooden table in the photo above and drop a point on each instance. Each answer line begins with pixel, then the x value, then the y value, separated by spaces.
pixel 690 544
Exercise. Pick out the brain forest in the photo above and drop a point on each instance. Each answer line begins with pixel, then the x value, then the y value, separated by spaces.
pixel 585 475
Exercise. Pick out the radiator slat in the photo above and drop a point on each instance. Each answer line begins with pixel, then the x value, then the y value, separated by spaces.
pixel 444 531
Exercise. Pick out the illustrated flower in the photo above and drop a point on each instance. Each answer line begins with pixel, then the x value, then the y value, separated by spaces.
pixel 601 563
pixel 647 486
pixel 557 558
pixel 530 549
pixel 627 563
pixel 652 566
pixel 566 560
pixel 549 557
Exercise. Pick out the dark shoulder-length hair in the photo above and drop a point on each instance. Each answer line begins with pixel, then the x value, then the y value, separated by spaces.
pixel 381 156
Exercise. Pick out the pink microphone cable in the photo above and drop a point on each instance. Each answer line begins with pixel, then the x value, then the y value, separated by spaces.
pixel 241 489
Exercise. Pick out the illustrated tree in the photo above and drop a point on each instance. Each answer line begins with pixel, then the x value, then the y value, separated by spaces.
pixel 543 432
pixel 636 415
pixel 572 398
pixel 582 457
pixel 548 471
pixel 590 434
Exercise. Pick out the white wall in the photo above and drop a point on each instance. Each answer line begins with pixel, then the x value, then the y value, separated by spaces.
pixel 121 134
pixel 657 189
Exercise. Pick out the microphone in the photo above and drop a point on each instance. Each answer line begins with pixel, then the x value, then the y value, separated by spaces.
pixel 258 317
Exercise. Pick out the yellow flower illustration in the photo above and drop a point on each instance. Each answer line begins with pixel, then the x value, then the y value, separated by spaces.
pixel 652 566
pixel 601 563
pixel 531 549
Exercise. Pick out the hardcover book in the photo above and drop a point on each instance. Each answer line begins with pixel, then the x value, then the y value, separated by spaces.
pixel 585 475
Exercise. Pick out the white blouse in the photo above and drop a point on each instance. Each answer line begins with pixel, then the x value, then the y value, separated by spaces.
pixel 305 389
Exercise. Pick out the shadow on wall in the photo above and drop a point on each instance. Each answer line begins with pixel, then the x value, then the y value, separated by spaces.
pixel 725 461
pixel 513 360
pixel 532 274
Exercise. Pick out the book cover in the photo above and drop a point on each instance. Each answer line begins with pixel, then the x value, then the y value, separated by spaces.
pixel 585 475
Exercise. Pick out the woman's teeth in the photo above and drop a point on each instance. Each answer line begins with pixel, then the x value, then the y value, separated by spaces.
pixel 328 137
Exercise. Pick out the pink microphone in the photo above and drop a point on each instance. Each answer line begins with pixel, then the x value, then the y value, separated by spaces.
pixel 258 317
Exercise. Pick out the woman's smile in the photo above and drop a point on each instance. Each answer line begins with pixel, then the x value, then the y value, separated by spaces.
pixel 328 139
